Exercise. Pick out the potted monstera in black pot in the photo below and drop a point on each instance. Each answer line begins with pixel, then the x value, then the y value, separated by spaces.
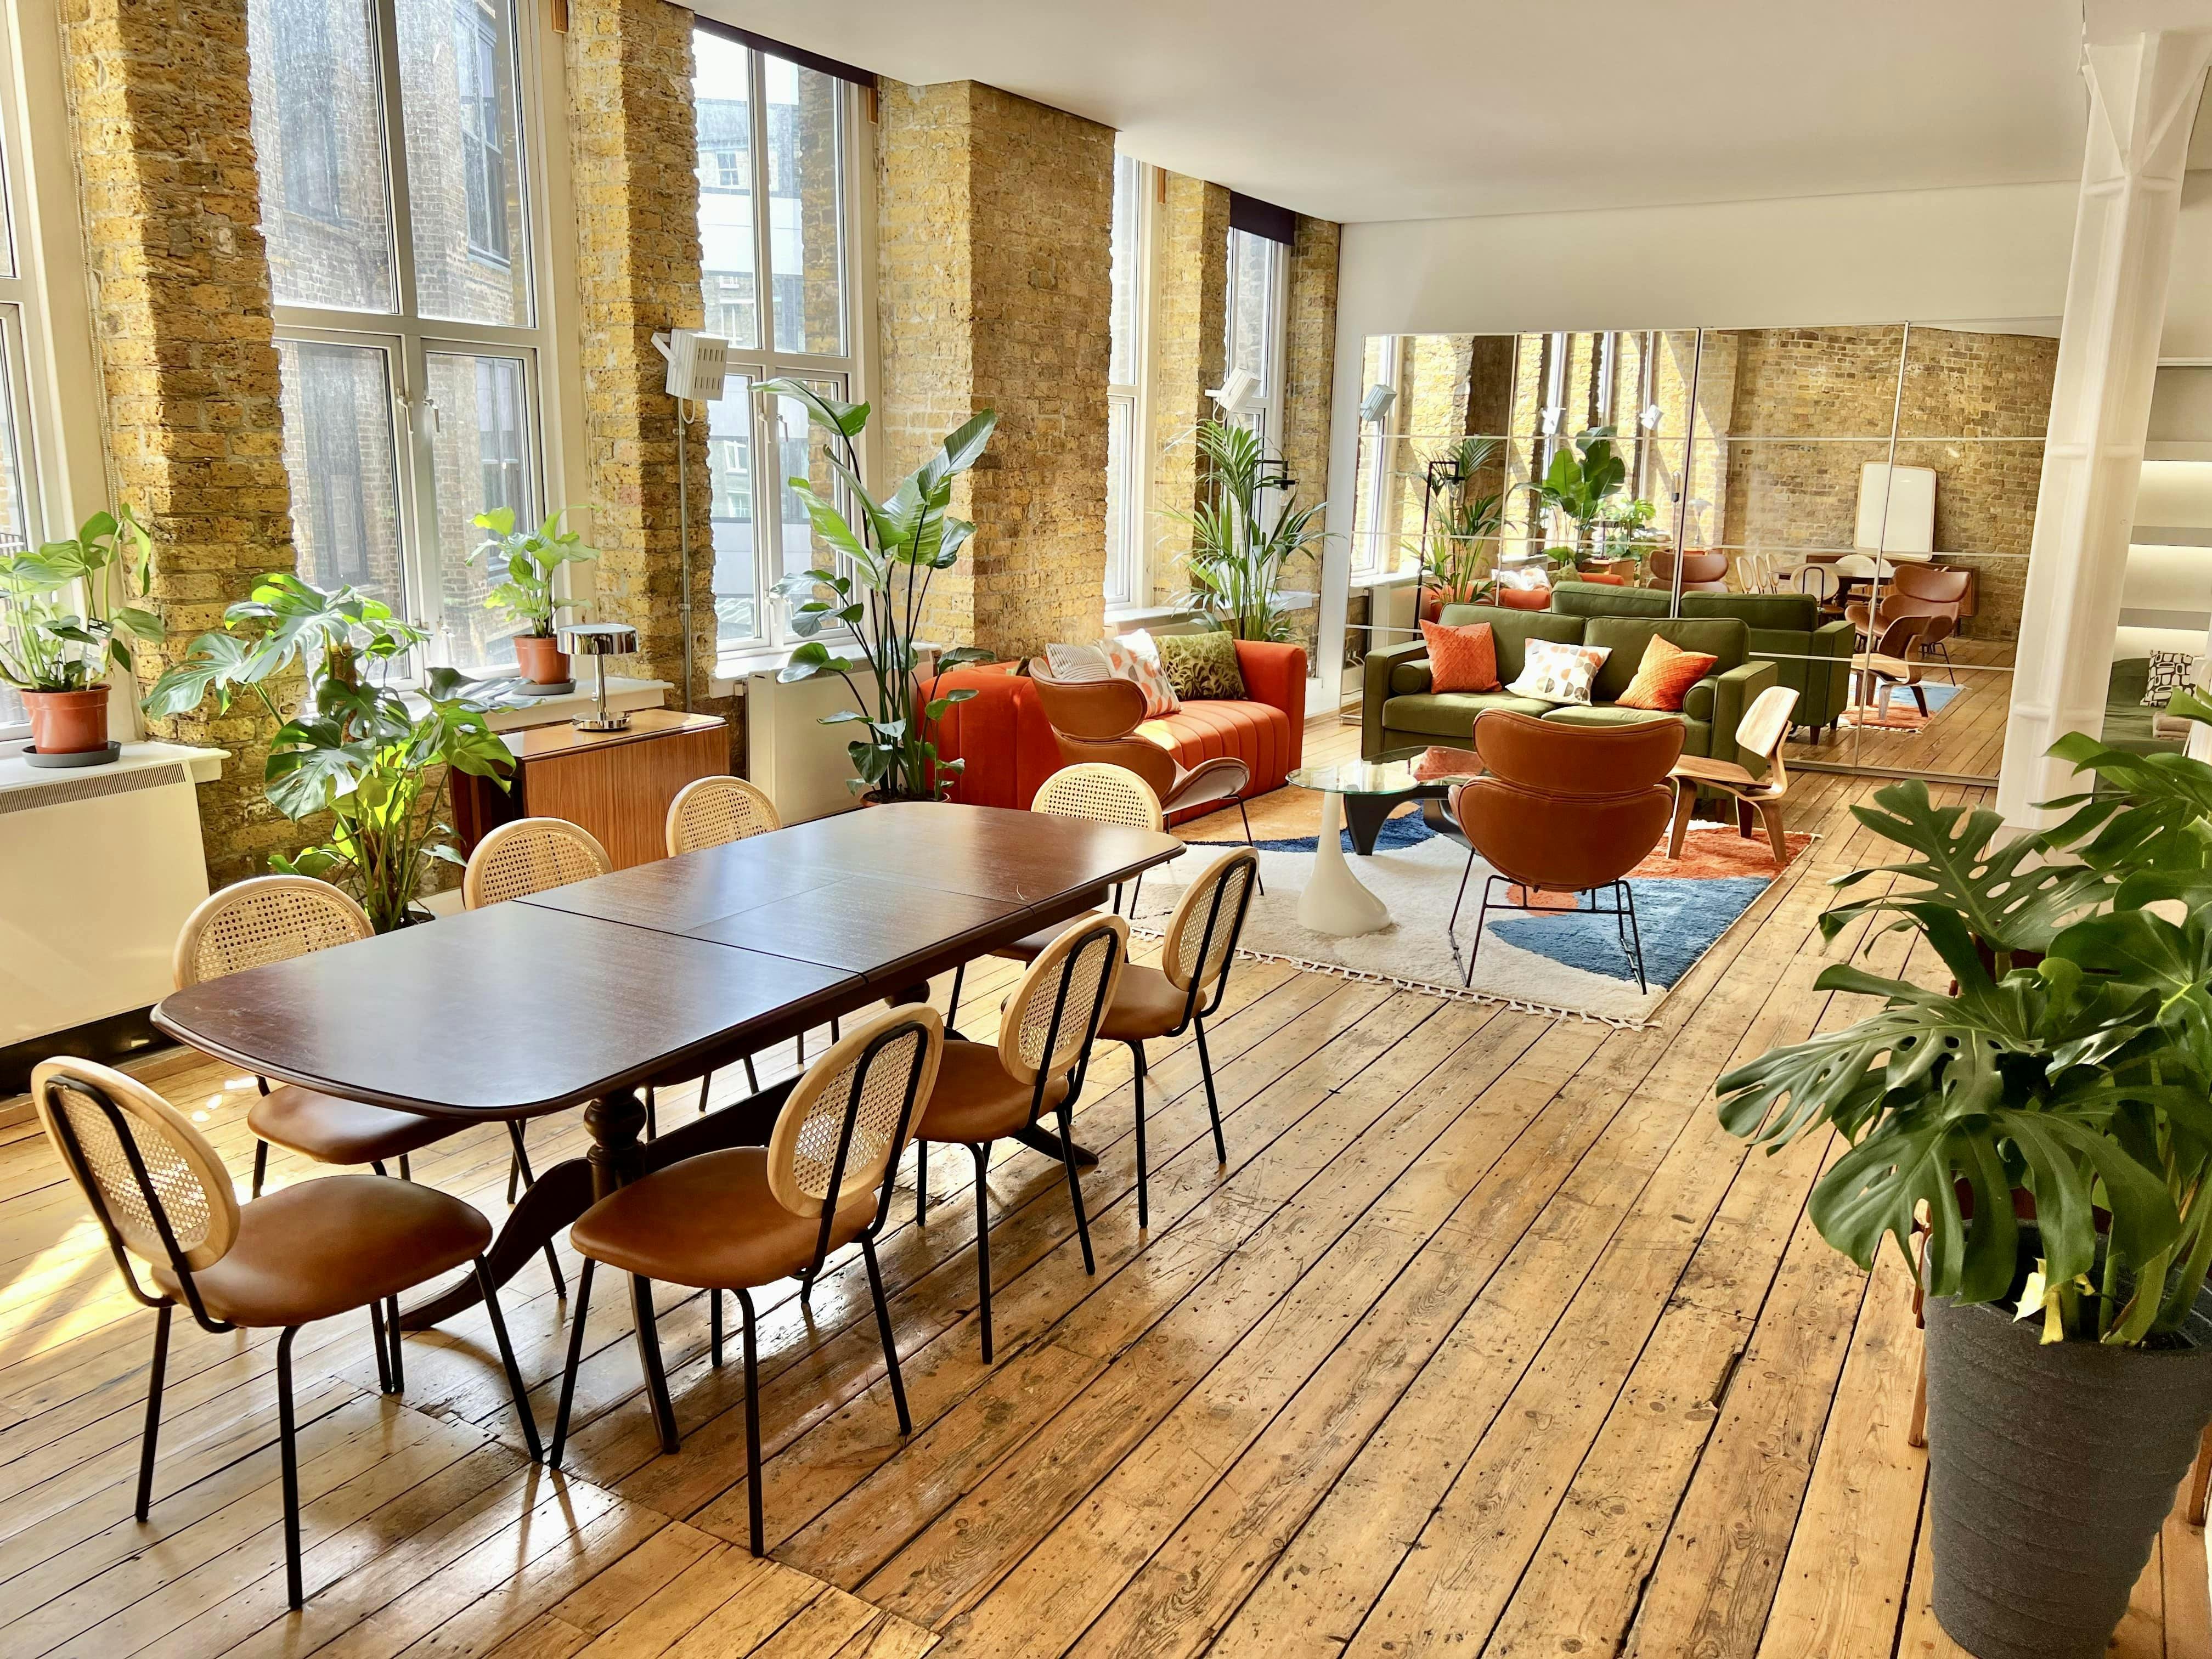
pixel 2039 1140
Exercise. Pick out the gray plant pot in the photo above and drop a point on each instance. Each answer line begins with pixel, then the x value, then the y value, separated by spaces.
pixel 2052 1469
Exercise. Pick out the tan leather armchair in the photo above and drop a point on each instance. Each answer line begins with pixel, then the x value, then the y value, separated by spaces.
pixel 1096 720
pixel 1702 573
pixel 1916 590
pixel 1565 809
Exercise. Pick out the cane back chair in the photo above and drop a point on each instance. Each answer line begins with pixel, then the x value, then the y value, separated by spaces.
pixel 713 812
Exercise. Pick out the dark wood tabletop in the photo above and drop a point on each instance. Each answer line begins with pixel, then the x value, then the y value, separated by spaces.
pixel 549 1002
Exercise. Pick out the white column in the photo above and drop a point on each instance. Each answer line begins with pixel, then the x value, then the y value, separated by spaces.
pixel 2143 93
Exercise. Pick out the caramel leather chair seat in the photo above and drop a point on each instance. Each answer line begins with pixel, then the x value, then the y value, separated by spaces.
pixel 334 1131
pixel 711 1222
pixel 975 1098
pixel 1146 1004
pixel 329 1245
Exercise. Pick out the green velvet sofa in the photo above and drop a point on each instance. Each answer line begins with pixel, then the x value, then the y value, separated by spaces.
pixel 1400 711
pixel 1810 656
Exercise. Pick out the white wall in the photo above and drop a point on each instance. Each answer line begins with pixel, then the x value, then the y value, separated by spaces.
pixel 1991 253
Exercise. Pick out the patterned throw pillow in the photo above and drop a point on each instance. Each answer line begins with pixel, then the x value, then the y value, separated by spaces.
pixel 1560 673
pixel 1665 675
pixel 2170 670
pixel 1133 656
pixel 1462 657
pixel 1077 665
pixel 1203 665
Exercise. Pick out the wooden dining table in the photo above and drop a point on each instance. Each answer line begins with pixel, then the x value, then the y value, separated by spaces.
pixel 583 995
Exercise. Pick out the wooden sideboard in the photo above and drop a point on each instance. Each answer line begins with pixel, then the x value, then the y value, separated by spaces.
pixel 616 784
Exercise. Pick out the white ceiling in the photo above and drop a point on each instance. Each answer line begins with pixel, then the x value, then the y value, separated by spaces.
pixel 1401 109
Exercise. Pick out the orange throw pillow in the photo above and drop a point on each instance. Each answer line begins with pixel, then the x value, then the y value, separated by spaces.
pixel 1665 675
pixel 1462 658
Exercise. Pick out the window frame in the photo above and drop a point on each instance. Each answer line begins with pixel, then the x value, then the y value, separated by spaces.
pixel 1275 332
pixel 23 326
pixel 1128 564
pixel 409 339
pixel 772 641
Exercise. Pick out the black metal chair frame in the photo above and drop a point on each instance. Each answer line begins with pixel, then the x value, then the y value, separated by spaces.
pixel 1064 1112
pixel 1193 1020
pixel 1623 911
pixel 384 1324
pixel 648 1335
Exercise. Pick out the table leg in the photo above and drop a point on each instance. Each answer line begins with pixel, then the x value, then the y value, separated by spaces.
pixel 1365 816
pixel 571 1187
pixel 1333 901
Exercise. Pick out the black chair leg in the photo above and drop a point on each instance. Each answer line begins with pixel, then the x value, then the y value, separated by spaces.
pixel 154 1380
pixel 1212 1104
pixel 1635 938
pixel 1481 915
pixel 884 1329
pixel 1137 1089
pixel 288 1452
pixel 260 1166
pixel 553 1267
pixel 983 1248
pixel 752 1427
pixel 1248 842
pixel 752 1078
pixel 576 1318
pixel 518 1169
pixel 705 1087
pixel 952 1015
pixel 1135 888
pixel 921 1182
pixel 405 1172
pixel 651 1114
pixel 515 1383
pixel 1462 898
pixel 714 1329
pixel 1075 1187
pixel 392 1324
pixel 378 1335
pixel 648 1354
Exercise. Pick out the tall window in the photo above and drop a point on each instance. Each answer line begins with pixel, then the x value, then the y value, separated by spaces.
pixel 19 523
pixel 775 196
pixel 1125 452
pixel 1257 274
pixel 407 341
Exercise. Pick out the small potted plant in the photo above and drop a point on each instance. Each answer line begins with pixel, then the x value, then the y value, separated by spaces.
pixel 56 651
pixel 2044 1128
pixel 530 557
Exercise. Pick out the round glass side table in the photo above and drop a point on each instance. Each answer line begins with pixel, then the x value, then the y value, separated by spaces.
pixel 1364 792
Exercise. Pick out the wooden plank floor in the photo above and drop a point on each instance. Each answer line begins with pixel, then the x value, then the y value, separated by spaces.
pixel 1485 1339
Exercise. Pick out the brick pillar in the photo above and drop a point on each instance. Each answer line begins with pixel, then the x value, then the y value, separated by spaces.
pixel 1310 371
pixel 993 292
pixel 1189 355
pixel 635 152
pixel 172 214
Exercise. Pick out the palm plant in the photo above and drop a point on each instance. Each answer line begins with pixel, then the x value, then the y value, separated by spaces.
pixel 1237 556
pixel 1585 474
pixel 871 590
pixel 2073 1059
pixel 1459 527
pixel 354 746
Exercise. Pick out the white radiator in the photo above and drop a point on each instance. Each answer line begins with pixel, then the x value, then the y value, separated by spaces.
pixel 98 871
pixel 799 762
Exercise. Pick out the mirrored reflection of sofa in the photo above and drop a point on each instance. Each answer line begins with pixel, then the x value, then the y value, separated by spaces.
pixel 1401 710
pixel 2129 724
pixel 1811 654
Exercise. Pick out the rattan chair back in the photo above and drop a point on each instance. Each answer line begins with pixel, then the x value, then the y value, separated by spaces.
pixel 1049 1023
pixel 1107 795
pixel 530 855
pixel 261 919
pixel 1201 938
pixel 712 811
pixel 846 1120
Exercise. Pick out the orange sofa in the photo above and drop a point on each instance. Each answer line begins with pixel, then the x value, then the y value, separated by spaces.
pixel 1009 748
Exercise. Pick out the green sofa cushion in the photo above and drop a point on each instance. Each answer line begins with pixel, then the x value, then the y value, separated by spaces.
pixel 1603 600
pixel 1798 612
pixel 1626 637
pixel 1450 713
pixel 1513 629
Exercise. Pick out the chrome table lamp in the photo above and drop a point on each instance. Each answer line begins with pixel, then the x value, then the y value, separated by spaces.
pixel 599 641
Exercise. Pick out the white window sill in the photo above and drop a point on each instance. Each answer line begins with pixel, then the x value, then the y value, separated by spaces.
pixel 203 765
pixel 731 672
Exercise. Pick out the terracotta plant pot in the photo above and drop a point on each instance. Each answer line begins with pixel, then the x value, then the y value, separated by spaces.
pixel 68 722
pixel 541 660
pixel 2052 1468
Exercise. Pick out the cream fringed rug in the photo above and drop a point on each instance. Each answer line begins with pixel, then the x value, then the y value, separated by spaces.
pixel 1554 962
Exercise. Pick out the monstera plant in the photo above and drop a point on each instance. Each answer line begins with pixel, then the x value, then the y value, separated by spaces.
pixel 2043 1130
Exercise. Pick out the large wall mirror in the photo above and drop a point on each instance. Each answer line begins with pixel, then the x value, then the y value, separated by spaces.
pixel 1863 497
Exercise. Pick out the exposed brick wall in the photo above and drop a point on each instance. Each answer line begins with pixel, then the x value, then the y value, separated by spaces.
pixel 1189 355
pixel 159 104
pixel 634 157
pixel 1308 378
pixel 993 292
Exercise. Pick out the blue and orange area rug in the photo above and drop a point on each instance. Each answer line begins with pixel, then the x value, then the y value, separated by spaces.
pixel 1550 961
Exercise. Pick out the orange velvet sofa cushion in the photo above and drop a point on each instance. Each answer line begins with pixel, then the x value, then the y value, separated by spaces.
pixel 1010 749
